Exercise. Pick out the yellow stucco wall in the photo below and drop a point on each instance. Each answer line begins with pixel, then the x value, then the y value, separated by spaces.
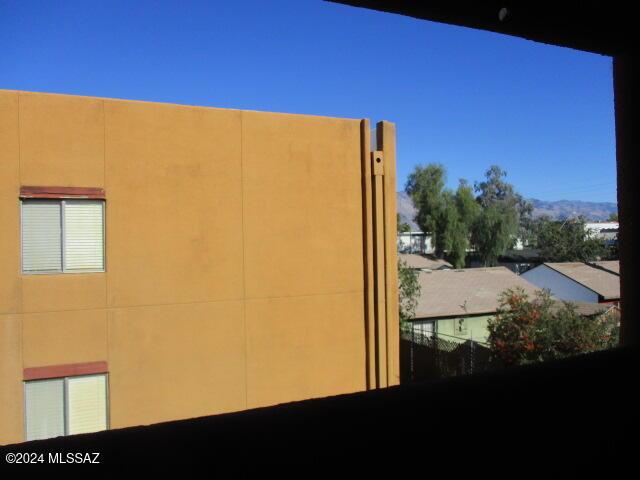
pixel 234 256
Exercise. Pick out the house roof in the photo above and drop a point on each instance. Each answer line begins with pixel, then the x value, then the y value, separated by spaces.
pixel 415 260
pixel 611 265
pixel 601 281
pixel 525 255
pixel 470 291
pixel 587 309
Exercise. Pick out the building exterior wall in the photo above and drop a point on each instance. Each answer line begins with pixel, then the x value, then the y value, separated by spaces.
pixel 560 285
pixel 456 329
pixel 415 242
pixel 473 328
pixel 234 256
pixel 594 228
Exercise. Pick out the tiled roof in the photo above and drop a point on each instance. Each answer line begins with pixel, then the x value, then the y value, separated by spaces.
pixel 588 309
pixel 611 265
pixel 421 261
pixel 603 282
pixel 467 291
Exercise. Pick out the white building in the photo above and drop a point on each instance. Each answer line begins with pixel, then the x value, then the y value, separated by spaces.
pixel 607 231
pixel 415 242
pixel 594 228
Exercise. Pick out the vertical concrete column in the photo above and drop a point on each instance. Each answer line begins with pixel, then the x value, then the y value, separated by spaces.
pixel 367 233
pixel 380 256
pixel 386 133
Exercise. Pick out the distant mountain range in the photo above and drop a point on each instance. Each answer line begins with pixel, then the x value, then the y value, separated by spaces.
pixel 562 209
pixel 406 209
pixel 558 210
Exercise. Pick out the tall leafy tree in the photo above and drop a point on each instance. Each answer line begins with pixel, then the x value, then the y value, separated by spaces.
pixel 461 211
pixel 497 226
pixel 425 185
pixel 526 222
pixel 408 291
pixel 491 221
pixel 567 241
pixel 494 188
pixel 447 215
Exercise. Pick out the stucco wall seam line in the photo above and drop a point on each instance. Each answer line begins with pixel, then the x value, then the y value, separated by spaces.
pixel 19 306
pixel 243 300
pixel 104 147
pixel 244 280
pixel 106 209
pixel 106 243
pixel 348 292
pixel 121 307
pixel 19 154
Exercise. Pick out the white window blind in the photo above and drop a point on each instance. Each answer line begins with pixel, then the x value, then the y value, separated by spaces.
pixel 87 404
pixel 41 236
pixel 44 409
pixel 62 236
pixel 65 406
pixel 83 235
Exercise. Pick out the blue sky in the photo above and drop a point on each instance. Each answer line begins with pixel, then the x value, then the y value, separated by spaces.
pixel 464 98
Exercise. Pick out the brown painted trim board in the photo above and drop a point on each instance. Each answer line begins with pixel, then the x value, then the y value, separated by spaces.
pixel 70 370
pixel 62 192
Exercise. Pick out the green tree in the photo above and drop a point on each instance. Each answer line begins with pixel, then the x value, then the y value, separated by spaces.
pixel 613 217
pixel 528 330
pixel 526 222
pixel 425 185
pixel 567 241
pixel 409 292
pixel 497 226
pixel 403 227
pixel 461 211
pixel 447 215
pixel 494 189
pixel 611 252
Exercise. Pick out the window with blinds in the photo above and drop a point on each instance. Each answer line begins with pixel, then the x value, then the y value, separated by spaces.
pixel 44 409
pixel 65 406
pixel 41 236
pixel 62 236
pixel 87 404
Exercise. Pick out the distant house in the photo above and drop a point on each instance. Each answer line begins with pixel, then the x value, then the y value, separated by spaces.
pixel 607 231
pixel 415 242
pixel 588 309
pixel 596 228
pixel 518 261
pixel 598 282
pixel 423 262
pixel 458 303
pixel 612 266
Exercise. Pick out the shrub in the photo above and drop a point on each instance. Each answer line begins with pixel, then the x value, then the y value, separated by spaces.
pixel 528 330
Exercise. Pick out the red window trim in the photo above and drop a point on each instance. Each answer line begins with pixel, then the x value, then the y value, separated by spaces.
pixel 62 192
pixel 69 370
